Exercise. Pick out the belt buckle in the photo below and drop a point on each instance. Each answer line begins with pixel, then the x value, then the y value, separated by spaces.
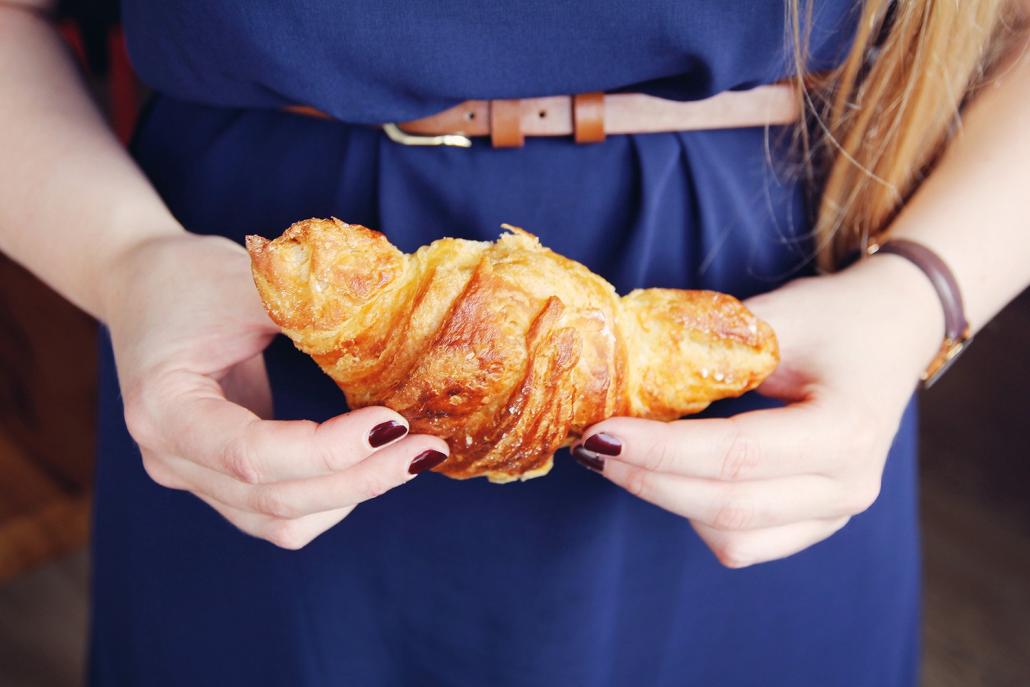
pixel 397 135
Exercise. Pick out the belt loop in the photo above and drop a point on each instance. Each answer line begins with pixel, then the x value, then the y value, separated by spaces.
pixel 588 117
pixel 506 123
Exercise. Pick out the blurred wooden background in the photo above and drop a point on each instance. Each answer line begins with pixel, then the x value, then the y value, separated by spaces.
pixel 47 409
pixel 975 507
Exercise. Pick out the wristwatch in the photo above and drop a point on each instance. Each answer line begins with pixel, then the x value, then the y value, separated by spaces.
pixel 956 328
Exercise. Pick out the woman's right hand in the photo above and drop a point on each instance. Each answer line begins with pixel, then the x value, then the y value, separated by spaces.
pixel 188 332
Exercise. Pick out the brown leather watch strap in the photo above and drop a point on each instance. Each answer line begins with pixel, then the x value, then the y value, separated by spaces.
pixel 956 327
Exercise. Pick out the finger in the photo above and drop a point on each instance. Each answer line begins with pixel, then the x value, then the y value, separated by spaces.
pixel 163 469
pixel 761 444
pixel 286 534
pixel 737 505
pixel 377 474
pixel 247 385
pixel 185 414
pixel 741 549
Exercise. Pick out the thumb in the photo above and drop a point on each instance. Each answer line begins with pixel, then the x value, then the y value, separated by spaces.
pixel 793 380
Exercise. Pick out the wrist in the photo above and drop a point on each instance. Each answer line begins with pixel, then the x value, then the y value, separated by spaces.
pixel 126 261
pixel 908 304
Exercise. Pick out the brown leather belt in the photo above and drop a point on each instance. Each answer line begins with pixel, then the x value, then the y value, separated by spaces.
pixel 589 117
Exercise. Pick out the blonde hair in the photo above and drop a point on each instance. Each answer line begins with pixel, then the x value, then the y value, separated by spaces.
pixel 877 122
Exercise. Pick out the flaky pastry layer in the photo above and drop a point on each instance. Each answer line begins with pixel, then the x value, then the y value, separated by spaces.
pixel 505 349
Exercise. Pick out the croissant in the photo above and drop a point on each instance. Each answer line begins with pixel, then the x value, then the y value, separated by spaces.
pixel 506 350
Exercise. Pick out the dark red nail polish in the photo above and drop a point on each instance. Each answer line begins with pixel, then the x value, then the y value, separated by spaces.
pixel 603 443
pixel 385 432
pixel 589 460
pixel 427 460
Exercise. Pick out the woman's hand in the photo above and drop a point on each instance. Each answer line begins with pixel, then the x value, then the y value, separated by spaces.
pixel 765 484
pixel 188 332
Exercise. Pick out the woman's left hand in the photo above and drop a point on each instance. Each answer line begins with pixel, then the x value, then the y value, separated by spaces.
pixel 768 483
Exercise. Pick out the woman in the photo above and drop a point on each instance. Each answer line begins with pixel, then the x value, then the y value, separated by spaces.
pixel 575 579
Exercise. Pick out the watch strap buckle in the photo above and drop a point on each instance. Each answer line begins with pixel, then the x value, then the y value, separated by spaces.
pixel 950 351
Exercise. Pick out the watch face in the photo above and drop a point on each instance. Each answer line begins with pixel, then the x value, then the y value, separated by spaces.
pixel 950 352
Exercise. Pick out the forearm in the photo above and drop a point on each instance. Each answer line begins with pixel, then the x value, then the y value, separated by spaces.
pixel 973 209
pixel 71 199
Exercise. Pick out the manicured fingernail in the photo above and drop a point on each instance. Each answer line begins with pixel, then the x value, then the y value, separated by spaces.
pixel 589 460
pixel 385 432
pixel 603 443
pixel 427 460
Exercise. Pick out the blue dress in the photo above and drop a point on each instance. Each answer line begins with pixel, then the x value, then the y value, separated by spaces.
pixel 566 580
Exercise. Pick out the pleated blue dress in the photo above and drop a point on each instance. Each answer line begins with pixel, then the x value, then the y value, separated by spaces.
pixel 566 580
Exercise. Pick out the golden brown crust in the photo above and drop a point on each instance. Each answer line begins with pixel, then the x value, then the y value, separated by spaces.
pixel 507 350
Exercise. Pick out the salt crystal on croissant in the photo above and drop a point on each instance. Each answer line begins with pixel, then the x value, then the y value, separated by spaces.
pixel 506 350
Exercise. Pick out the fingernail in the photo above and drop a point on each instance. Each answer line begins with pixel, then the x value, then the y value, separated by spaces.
pixel 385 432
pixel 427 460
pixel 589 460
pixel 603 443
